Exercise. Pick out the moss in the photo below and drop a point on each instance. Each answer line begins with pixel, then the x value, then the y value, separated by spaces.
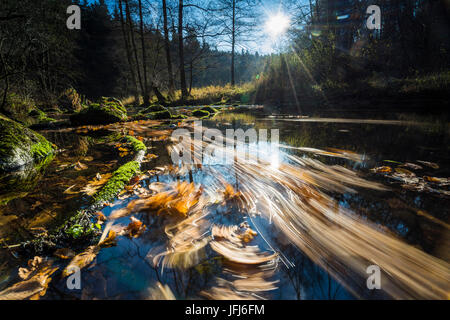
pixel 20 145
pixel 103 112
pixel 154 108
pixel 158 115
pixel 210 109
pixel 136 145
pixel 202 114
pixel 117 182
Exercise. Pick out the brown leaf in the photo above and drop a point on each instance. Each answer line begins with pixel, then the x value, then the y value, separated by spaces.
pixel 429 164
pixel 64 253
pixel 36 281
pixel 80 166
pixel 81 260
pixel 135 228
pixel 384 169
pixel 110 240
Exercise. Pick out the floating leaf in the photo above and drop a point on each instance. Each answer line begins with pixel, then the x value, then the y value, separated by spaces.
pixel 429 164
pixel 80 166
pixel 384 169
pixel 110 240
pixel 404 171
pixel 36 281
pixel 135 228
pixel 81 260
pixel 64 253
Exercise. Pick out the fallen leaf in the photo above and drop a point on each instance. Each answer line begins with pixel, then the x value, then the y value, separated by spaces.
pixel 64 253
pixel 80 166
pixel 36 281
pixel 81 260
pixel 383 169
pixel 110 240
pixel 429 164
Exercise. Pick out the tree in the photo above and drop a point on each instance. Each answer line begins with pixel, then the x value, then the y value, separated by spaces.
pixel 167 50
pixel 238 19
pixel 184 93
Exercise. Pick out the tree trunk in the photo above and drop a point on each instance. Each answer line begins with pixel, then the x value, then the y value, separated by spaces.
pixel 133 42
pixel 127 48
pixel 167 48
pixel 233 42
pixel 145 92
pixel 184 93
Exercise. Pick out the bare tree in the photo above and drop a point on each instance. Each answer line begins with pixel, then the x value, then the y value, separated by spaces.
pixel 238 21
pixel 167 49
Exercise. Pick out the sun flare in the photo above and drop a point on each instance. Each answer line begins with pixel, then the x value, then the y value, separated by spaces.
pixel 277 24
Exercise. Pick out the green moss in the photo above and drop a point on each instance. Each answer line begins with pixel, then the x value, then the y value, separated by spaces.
pixel 136 144
pixel 202 114
pixel 210 109
pixel 103 112
pixel 20 145
pixel 158 115
pixel 117 182
pixel 154 108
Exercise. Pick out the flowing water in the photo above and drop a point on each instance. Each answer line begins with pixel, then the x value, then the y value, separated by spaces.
pixel 320 214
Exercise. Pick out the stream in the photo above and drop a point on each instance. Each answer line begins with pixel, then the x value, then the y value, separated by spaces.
pixel 376 188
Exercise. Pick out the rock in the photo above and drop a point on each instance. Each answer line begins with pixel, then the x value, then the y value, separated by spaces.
pixel 154 108
pixel 162 113
pixel 20 146
pixel 107 110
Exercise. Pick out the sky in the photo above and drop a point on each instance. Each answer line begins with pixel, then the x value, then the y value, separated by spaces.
pixel 268 35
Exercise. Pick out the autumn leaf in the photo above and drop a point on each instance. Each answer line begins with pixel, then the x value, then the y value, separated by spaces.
pixel 429 164
pixel 135 228
pixel 80 166
pixel 36 279
pixel 404 171
pixel 110 240
pixel 383 169
pixel 81 260
pixel 64 253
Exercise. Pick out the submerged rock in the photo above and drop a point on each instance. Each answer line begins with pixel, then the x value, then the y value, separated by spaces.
pixel 20 146
pixel 107 110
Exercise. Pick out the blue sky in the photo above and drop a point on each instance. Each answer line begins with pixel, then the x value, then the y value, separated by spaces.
pixel 263 42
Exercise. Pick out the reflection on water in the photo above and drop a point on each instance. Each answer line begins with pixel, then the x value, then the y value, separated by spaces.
pixel 321 210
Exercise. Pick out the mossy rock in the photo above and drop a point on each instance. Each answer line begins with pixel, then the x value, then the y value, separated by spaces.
pixel 136 144
pixel 158 115
pixel 154 108
pixel 114 102
pixel 202 114
pixel 117 182
pixel 20 146
pixel 210 109
pixel 40 116
pixel 103 112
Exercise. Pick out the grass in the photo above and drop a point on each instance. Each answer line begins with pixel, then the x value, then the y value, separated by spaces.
pixel 239 94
